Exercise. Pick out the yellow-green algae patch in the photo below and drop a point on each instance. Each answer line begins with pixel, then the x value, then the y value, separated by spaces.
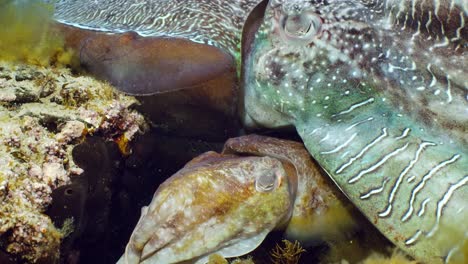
pixel 396 258
pixel 44 113
pixel 446 235
pixel 27 34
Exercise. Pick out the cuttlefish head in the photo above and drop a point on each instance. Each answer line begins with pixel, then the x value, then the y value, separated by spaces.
pixel 310 60
pixel 296 46
pixel 216 203
pixel 318 212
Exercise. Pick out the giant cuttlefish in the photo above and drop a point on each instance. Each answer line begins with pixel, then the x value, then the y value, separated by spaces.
pixel 378 91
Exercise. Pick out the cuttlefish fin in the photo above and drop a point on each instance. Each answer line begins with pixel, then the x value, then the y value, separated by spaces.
pixel 240 248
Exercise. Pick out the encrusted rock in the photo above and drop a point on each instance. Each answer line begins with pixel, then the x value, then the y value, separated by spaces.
pixel 44 113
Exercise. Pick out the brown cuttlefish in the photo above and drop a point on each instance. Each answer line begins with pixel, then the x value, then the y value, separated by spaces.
pixel 227 203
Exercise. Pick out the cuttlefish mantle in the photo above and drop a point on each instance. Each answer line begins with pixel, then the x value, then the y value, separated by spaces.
pixel 148 47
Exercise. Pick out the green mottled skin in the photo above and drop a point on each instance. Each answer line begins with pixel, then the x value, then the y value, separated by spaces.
pixel 378 92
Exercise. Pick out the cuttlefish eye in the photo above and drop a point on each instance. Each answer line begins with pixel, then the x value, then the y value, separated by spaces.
pixel 275 3
pixel 303 26
pixel 267 182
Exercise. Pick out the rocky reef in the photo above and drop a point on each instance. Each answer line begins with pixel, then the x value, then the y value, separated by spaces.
pixel 44 113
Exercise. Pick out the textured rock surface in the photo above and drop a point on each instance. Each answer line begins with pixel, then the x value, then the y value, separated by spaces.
pixel 44 113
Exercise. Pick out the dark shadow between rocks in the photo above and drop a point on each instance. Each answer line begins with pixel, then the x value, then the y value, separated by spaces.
pixel 87 200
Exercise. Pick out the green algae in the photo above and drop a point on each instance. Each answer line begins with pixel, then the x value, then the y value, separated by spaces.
pixel 28 36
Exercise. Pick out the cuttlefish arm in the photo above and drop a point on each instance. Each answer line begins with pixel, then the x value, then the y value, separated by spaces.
pixel 318 212
pixel 217 203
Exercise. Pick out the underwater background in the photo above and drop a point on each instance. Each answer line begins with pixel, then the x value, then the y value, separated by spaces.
pixel 79 158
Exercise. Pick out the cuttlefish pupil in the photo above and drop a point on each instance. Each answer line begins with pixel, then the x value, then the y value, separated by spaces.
pixel 297 22
pixel 302 26
pixel 268 182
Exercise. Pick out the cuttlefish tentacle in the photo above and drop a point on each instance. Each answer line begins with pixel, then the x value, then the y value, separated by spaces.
pixel 148 47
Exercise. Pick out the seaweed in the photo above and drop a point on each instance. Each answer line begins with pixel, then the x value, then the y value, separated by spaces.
pixel 288 253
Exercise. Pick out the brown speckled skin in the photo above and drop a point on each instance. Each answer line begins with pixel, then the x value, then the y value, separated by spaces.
pixel 210 204
pixel 215 202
